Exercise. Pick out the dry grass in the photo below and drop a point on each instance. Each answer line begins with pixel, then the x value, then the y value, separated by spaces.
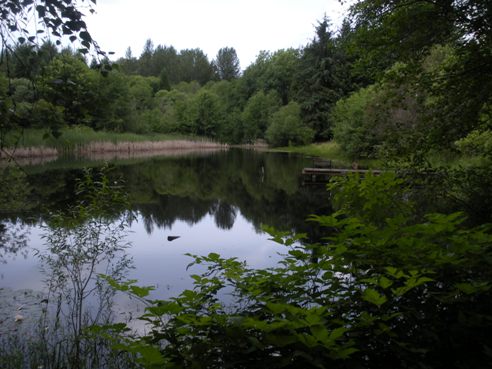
pixel 130 149
pixel 128 155
pixel 146 146
pixel 28 152
pixel 257 145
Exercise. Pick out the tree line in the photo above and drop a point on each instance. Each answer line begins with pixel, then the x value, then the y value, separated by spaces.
pixel 393 77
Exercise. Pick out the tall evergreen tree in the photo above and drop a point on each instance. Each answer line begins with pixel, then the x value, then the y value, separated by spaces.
pixel 226 64
pixel 322 80
pixel 194 66
pixel 145 61
pixel 166 59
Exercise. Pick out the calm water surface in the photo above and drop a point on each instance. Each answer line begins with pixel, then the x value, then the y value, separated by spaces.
pixel 214 201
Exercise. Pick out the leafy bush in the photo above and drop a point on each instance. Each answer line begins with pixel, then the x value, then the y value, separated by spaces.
pixel 385 294
pixel 208 115
pixel 476 143
pixel 372 198
pixel 286 127
pixel 354 124
pixel 257 113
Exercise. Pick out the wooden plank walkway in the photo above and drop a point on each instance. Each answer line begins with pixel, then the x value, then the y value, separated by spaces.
pixel 337 171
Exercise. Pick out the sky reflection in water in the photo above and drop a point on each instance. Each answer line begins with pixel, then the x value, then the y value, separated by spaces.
pixel 214 203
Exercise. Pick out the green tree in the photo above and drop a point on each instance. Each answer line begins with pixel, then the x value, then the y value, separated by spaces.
pixel 226 64
pixel 257 113
pixel 286 127
pixel 113 108
pixel 69 83
pixel 194 66
pixel 387 31
pixel 207 114
pixel 387 118
pixel 275 71
pixel 169 104
pixel 166 59
pixel 280 73
pixel 354 123
pixel 129 63
pixel 145 67
pixel 322 80
pixel 250 82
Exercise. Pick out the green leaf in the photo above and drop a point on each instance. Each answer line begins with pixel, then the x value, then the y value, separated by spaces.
pixel 337 333
pixel 345 353
pixel 165 307
pixel 307 339
pixel 214 257
pixel 277 308
pixel 141 291
pixel 385 282
pixel 374 297
pixel 150 355
pixel 281 340
pixel 321 333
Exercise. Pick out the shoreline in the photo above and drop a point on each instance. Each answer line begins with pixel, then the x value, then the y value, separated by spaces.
pixel 105 147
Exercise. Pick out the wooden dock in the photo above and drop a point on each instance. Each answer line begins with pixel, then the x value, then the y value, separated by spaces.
pixel 323 175
pixel 338 171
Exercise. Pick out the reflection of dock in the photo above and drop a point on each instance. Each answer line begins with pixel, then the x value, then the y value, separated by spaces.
pixel 323 175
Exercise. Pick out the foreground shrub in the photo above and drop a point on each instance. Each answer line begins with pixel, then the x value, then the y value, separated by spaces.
pixel 388 293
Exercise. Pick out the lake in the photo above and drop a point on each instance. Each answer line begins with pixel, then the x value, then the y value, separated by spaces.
pixel 211 201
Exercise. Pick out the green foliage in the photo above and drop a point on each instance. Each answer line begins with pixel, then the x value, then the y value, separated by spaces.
pixel 195 66
pixel 354 123
pixel 68 82
pixel 226 64
pixel 43 112
pixel 206 114
pixel 141 92
pixel 286 127
pixel 423 69
pixel 440 96
pixel 115 103
pixel 373 198
pixel 79 241
pixel 275 71
pixel 322 80
pixel 171 105
pixel 257 114
pixel 370 296
pixel 386 32
pixel 401 115
pixel 476 143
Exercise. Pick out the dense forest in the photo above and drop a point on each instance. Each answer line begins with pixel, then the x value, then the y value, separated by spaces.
pixel 394 78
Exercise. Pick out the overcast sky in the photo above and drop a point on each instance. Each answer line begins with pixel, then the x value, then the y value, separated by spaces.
pixel 247 25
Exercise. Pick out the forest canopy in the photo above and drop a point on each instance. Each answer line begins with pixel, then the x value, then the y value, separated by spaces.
pixel 396 75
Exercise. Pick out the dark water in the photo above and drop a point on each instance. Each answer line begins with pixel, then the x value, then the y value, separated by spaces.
pixel 215 202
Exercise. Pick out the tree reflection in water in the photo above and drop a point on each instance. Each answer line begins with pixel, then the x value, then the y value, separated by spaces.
pixel 85 231
pixel 81 242
pixel 13 241
pixel 13 197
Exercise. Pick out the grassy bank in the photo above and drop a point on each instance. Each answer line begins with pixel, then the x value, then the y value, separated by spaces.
pixel 331 151
pixel 84 140
pixel 79 135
